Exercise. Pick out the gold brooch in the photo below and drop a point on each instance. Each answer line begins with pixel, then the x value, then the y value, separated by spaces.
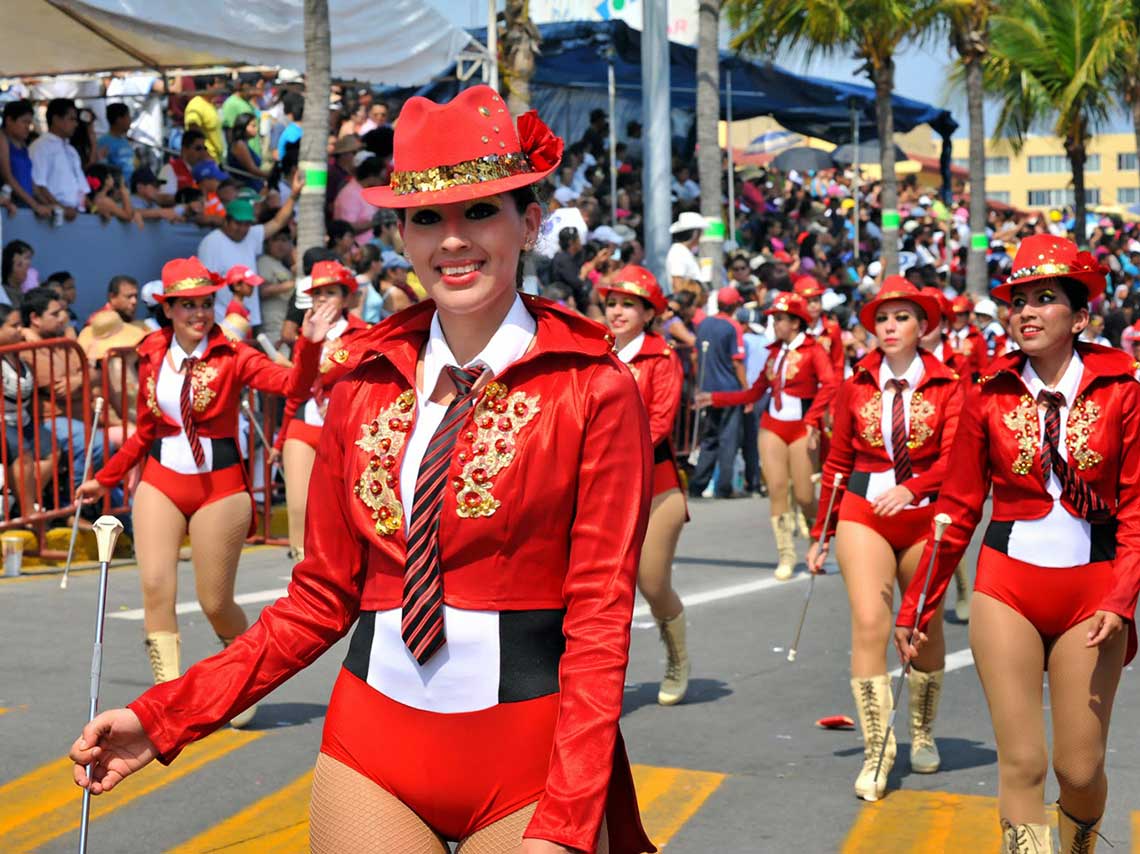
pixel 382 439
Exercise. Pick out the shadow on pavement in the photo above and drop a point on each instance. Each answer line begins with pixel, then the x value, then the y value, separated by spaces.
pixel 958 754
pixel 700 691
pixel 276 715
pixel 712 561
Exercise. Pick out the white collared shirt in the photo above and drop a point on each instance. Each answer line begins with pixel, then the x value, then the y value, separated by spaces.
pixel 938 351
pixel 57 168
pixel 175 450
pixel 880 481
pixel 1059 539
pixel 791 408
pixel 626 353
pixel 312 413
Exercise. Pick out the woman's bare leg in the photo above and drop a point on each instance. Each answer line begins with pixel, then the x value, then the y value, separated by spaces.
pixel 932 656
pixel 775 464
pixel 217 534
pixel 655 574
pixel 867 563
pixel 159 527
pixel 802 468
pixel 298 459
pixel 505 836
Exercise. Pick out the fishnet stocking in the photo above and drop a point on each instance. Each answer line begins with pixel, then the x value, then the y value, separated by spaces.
pixel 349 814
pixel 217 533
pixel 505 836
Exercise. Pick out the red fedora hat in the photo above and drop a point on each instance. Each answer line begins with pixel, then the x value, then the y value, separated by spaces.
pixel 808 287
pixel 241 273
pixel 326 273
pixel 1043 256
pixel 186 277
pixel 639 282
pixel 898 288
pixel 792 304
pixel 465 149
pixel 944 304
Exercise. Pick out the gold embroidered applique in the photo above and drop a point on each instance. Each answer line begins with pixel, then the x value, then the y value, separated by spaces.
pixel 793 366
pixel 200 381
pixel 499 416
pixel 871 414
pixel 1078 430
pixel 921 410
pixel 382 439
pixel 152 397
pixel 332 354
pixel 1025 426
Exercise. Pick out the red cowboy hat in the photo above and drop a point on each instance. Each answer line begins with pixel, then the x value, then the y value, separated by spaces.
pixel 945 306
pixel 896 287
pixel 241 273
pixel 792 304
pixel 961 305
pixel 639 282
pixel 808 287
pixel 186 277
pixel 465 149
pixel 326 273
pixel 1043 256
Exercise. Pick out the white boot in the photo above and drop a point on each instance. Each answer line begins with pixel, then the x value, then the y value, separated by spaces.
pixel 676 681
pixel 924 689
pixel 164 651
pixel 783 527
pixel 873 701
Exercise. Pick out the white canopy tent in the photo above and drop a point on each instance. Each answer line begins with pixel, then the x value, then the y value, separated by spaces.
pixel 394 42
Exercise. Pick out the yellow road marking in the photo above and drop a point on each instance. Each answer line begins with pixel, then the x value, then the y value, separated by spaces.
pixel 1136 832
pixel 666 812
pixel 44 804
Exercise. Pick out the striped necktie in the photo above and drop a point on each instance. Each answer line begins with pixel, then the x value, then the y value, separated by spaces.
pixel 186 408
pixel 903 470
pixel 778 385
pixel 1075 488
pixel 422 622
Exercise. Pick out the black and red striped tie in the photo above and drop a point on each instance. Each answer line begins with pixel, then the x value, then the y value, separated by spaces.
pixel 903 470
pixel 1075 488
pixel 422 623
pixel 186 407
pixel 778 384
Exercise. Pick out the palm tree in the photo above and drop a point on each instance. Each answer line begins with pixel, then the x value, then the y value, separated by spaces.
pixel 708 117
pixel 969 32
pixel 519 47
pixel 873 30
pixel 1128 73
pixel 1053 61
pixel 315 126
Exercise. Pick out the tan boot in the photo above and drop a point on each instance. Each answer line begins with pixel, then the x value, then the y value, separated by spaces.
pixel 962 582
pixel 803 526
pixel 1077 837
pixel 873 702
pixel 782 527
pixel 925 689
pixel 676 681
pixel 241 719
pixel 163 650
pixel 1026 838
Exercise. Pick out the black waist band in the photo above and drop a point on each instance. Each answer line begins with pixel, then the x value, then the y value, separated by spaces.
pixel 1102 546
pixel 531 644
pixel 225 452
pixel 662 452
pixel 859 482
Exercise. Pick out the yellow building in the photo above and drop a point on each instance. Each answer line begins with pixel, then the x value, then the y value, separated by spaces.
pixel 1040 176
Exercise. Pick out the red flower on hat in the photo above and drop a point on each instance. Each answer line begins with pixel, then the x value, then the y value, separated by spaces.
pixel 542 147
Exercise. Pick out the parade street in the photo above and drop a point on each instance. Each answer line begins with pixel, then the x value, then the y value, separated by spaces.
pixel 739 767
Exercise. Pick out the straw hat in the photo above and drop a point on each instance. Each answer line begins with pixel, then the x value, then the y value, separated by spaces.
pixel 105 332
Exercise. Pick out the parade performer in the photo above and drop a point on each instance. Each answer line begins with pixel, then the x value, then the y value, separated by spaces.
pixel 331 283
pixel 965 337
pixel 632 300
pixel 191 377
pixel 477 522
pixel 1054 429
pixel 799 374
pixel 825 330
pixel 895 419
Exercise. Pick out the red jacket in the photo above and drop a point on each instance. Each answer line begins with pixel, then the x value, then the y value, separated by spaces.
pixel 808 374
pixel 957 362
pixel 548 511
pixel 857 432
pixel 832 343
pixel 973 349
pixel 999 445
pixel 340 357
pixel 225 371
pixel 657 369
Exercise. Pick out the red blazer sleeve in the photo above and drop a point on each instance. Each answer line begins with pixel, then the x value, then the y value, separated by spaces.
pixel 257 370
pixel 840 460
pixel 1122 599
pixel 610 516
pixel 828 385
pixel 928 483
pixel 747 395
pixel 138 444
pixel 962 497
pixel 666 398
pixel 321 604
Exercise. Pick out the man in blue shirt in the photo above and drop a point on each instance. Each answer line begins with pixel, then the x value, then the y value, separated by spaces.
pixel 119 152
pixel 294 106
pixel 722 370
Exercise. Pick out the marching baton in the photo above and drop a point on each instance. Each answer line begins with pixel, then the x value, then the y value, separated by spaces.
pixel 811 583
pixel 107 530
pixel 97 410
pixel 695 451
pixel 941 523
pixel 248 410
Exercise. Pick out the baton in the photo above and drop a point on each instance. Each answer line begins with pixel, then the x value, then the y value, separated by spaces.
pixel 97 410
pixel 811 582
pixel 248 410
pixel 695 450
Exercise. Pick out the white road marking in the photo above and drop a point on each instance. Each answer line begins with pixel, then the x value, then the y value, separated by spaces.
pixel 194 607
pixel 954 661
pixel 718 593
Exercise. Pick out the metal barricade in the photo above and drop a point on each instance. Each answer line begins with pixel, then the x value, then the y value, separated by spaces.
pixel 261 471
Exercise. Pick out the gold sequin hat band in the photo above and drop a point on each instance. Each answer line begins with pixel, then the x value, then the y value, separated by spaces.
pixel 468 148
pixel 1044 256
pixel 186 277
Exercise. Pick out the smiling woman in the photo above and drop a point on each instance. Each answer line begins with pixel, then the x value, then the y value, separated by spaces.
pixel 477 523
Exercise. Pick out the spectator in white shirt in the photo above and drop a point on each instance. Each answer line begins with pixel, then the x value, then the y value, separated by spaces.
pixel 680 262
pixel 685 189
pixel 56 168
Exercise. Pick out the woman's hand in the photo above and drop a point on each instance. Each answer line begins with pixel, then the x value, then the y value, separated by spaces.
pixel 318 322
pixel 892 501
pixel 1105 624
pixel 115 746
pixel 90 491
pixel 297 184
pixel 812 437
pixel 816 555
pixel 543 846
pixel 702 399
pixel 908 645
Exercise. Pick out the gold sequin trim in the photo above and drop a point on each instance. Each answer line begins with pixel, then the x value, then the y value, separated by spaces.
pixel 499 416
pixel 1025 426
pixel 1078 430
pixel 334 354
pixel 871 414
pixel 921 411
pixel 493 167
pixel 793 364
pixel 382 439
pixel 152 397
pixel 1047 269
pixel 200 381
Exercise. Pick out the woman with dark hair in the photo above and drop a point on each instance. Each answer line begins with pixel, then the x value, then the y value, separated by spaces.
pixel 108 198
pixel 243 162
pixel 480 697
pixel 342 241
pixel 1054 430
pixel 15 161
pixel 29 456
pixel 15 269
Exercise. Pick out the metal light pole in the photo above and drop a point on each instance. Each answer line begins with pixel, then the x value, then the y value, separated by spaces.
pixel 493 42
pixel 613 135
pixel 855 169
pixel 655 108
pixel 731 166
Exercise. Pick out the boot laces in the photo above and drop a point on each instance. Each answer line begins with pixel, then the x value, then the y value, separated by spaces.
pixel 1083 841
pixel 672 655
pixel 874 733
pixel 156 665
pixel 923 736
pixel 1021 836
